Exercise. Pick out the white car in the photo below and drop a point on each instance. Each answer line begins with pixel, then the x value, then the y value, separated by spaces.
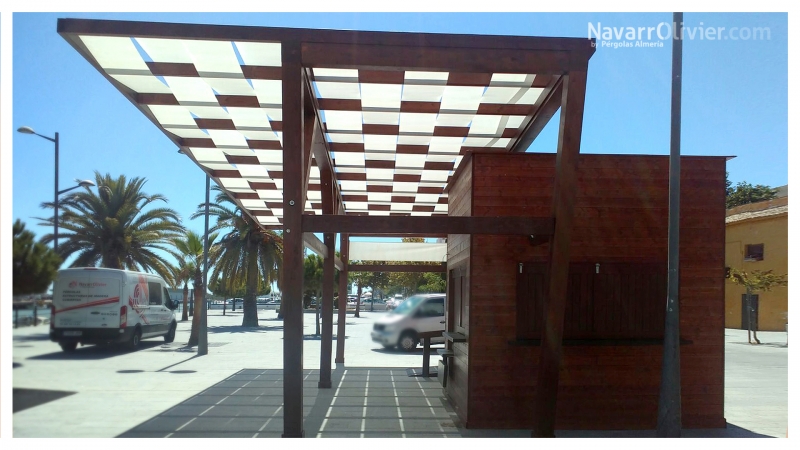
pixel 418 314
pixel 95 306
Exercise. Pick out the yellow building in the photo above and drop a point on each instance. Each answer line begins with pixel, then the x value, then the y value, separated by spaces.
pixel 756 238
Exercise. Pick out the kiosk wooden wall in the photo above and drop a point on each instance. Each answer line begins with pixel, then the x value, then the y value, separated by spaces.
pixel 620 217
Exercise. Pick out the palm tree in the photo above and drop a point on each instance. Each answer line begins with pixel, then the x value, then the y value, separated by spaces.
pixel 190 247
pixel 246 252
pixel 114 229
pixel 183 275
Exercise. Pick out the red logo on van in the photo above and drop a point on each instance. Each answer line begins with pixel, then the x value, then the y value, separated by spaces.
pixel 73 284
pixel 137 293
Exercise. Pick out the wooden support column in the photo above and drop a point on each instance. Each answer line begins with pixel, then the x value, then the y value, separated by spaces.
pixel 569 140
pixel 293 203
pixel 326 182
pixel 344 244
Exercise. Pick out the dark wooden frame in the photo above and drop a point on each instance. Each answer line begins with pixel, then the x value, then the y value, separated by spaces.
pixel 563 60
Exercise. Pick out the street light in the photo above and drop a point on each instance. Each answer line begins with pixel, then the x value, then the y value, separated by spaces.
pixel 84 183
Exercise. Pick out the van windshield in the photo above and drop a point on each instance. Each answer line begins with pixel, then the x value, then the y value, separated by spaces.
pixel 408 305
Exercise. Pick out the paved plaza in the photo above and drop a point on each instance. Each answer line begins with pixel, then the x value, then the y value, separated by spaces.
pixel 165 390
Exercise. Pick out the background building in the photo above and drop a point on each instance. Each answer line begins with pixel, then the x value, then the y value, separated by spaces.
pixel 756 238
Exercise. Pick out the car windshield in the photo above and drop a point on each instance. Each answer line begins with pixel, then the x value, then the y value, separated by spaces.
pixel 408 305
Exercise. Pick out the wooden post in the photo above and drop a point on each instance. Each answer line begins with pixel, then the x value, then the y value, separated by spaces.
pixel 569 141
pixel 293 204
pixel 426 356
pixel 326 181
pixel 343 250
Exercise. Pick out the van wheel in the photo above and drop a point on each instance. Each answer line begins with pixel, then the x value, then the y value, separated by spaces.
pixel 68 347
pixel 170 336
pixel 136 339
pixel 408 341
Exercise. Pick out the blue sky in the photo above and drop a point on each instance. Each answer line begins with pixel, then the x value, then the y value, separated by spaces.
pixel 734 98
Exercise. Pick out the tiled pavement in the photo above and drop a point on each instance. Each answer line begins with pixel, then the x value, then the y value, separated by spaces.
pixel 364 402
pixel 236 390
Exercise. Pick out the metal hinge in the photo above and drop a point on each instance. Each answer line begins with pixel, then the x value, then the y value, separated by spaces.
pixel 520 267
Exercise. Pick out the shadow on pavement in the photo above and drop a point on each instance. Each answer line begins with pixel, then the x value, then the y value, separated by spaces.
pixel 416 351
pixel 32 337
pixel 28 398
pixel 89 352
pixel 240 329
pixel 249 404
pixel 763 344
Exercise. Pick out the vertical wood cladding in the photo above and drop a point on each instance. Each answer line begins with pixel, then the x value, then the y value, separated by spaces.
pixel 458 259
pixel 621 217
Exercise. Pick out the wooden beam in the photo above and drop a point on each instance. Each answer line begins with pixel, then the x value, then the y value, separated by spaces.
pixel 569 143
pixel 546 107
pixel 437 58
pixel 476 43
pixel 320 146
pixel 309 133
pixel 293 204
pixel 434 224
pixel 315 245
pixel 401 235
pixel 344 244
pixel 402 268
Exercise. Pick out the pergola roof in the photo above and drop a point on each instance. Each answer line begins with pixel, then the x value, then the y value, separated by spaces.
pixel 398 111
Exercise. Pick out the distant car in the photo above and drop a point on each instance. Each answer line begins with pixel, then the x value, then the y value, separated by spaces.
pixel 392 303
pixel 273 305
pixel 418 314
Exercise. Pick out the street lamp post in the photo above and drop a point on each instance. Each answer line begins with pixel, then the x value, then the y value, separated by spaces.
pixel 84 183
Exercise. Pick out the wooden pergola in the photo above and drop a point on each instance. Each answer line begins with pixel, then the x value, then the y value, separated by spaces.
pixel 356 133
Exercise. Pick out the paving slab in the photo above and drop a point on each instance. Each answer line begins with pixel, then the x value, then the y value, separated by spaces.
pixel 166 390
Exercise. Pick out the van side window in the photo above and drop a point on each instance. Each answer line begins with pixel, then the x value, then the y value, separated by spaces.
pixel 433 308
pixel 167 299
pixel 155 293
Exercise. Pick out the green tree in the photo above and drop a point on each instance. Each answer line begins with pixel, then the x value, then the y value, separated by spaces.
pixel 433 283
pixel 754 282
pixel 244 253
pixel 190 247
pixel 183 275
pixel 34 265
pixel 744 193
pixel 117 227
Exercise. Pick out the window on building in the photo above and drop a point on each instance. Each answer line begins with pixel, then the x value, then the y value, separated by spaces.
pixel 606 301
pixel 754 252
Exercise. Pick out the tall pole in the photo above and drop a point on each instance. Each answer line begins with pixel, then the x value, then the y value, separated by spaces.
pixel 669 400
pixel 202 343
pixel 55 202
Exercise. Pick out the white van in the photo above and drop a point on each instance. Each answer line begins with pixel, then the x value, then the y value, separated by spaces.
pixel 418 314
pixel 99 306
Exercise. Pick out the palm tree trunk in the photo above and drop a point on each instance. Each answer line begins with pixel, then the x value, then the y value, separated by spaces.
pixel 194 335
pixel 185 315
pixel 250 316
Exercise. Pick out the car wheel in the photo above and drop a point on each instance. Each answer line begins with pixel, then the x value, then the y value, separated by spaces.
pixel 136 339
pixel 68 347
pixel 170 336
pixel 408 341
